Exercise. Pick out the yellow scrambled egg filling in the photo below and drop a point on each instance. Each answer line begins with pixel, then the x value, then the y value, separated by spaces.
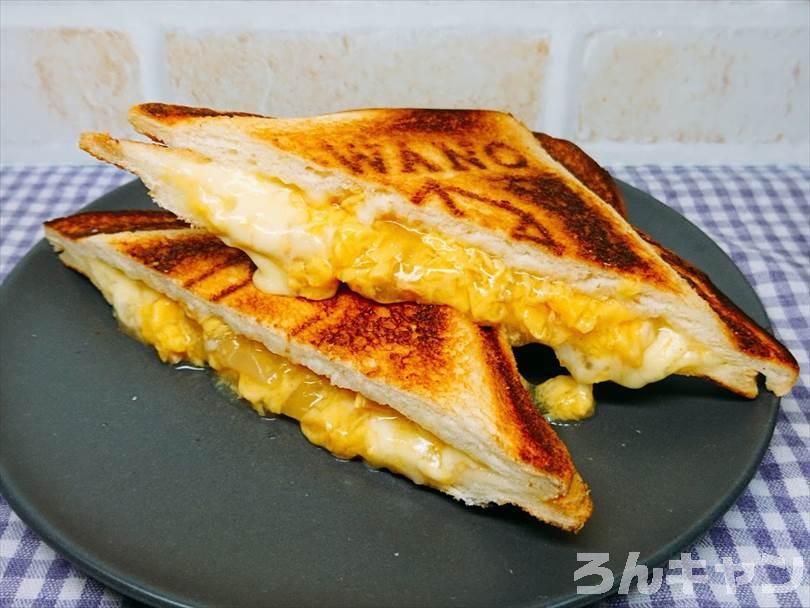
pixel 305 247
pixel 563 398
pixel 345 423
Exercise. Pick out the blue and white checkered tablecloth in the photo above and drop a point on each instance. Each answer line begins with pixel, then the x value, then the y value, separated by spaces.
pixel 759 215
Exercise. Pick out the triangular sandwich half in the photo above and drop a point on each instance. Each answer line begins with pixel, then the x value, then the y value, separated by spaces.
pixel 418 389
pixel 463 208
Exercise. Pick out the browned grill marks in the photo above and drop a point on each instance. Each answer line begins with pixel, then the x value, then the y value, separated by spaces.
pixel 168 112
pixel 165 254
pixel 527 228
pixel 410 160
pixel 748 337
pixel 434 188
pixel 505 155
pixel 433 121
pixel 541 447
pixel 232 289
pixel 329 306
pixel 431 320
pixel 400 331
pixel 87 224
pixel 596 238
pixel 585 169
pixel 232 257
pixel 356 161
pixel 462 158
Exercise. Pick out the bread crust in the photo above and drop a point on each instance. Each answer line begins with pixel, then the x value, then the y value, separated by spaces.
pixel 430 351
pixel 479 166
pixel 748 337
pixel 585 169
pixel 568 154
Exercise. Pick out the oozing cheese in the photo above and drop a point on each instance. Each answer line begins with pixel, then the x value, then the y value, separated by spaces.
pixel 320 243
pixel 563 398
pixel 345 423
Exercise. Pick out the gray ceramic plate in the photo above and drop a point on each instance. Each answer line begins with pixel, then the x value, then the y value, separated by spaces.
pixel 154 482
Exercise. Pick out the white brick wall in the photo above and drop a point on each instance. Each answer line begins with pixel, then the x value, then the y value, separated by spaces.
pixel 659 82
pixel 716 86
pixel 299 73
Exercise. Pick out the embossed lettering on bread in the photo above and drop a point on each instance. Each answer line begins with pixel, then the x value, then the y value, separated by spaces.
pixel 417 389
pixel 463 208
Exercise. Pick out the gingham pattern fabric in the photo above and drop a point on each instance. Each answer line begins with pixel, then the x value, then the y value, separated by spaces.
pixel 759 215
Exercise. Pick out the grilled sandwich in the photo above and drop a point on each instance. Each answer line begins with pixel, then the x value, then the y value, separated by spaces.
pixel 417 389
pixel 462 208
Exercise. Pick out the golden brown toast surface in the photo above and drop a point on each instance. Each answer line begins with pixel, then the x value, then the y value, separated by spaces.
pixel 568 154
pixel 414 347
pixel 585 169
pixel 430 152
pixel 478 163
pixel 749 337
pixel 88 224
pixel 482 167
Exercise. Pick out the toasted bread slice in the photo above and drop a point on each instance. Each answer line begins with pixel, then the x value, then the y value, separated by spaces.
pixel 481 168
pixel 456 381
pixel 590 173
pixel 482 182
pixel 744 329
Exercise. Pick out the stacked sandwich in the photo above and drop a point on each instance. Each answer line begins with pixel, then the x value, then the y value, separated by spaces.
pixel 368 272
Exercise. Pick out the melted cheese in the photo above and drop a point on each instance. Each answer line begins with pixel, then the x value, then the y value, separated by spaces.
pixel 261 216
pixel 322 243
pixel 345 423
pixel 563 398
